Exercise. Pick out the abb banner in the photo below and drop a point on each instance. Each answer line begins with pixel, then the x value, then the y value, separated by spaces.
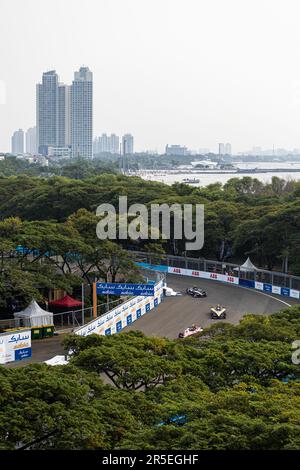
pixel 282 291
pixel 204 275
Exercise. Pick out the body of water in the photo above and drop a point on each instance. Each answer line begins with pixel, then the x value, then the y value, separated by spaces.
pixel 168 177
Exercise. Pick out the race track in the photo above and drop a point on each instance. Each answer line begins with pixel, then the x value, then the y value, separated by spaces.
pixel 177 313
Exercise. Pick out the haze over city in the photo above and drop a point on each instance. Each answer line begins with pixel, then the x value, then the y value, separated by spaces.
pixel 193 73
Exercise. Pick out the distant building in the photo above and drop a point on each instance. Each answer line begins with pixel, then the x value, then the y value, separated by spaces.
pixel 17 142
pixel 177 150
pixel 256 151
pixel 59 152
pixel 47 112
pixel 228 149
pixel 64 116
pixel 82 113
pixel 221 149
pixel 115 144
pixel 128 144
pixel 202 151
pixel 106 144
pixel 53 113
pixel 31 141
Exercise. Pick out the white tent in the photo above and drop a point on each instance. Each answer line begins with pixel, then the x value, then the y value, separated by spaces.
pixel 34 316
pixel 247 267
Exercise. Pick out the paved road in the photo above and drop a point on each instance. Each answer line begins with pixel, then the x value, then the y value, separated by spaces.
pixel 177 313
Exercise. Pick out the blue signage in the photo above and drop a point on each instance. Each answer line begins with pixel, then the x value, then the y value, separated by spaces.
pixel 119 326
pixel 22 354
pixel 139 313
pixel 145 290
pixel 129 319
pixel 285 291
pixel 268 288
pixel 108 332
pixel 247 283
pixel 151 267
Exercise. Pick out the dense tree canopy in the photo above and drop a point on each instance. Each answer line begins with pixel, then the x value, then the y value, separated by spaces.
pixel 54 218
pixel 232 387
pixel 261 220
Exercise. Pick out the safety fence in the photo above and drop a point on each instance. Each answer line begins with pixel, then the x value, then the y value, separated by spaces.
pixel 69 320
pixel 124 315
pixel 269 281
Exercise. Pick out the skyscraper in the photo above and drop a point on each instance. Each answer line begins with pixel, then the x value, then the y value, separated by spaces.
pixel 127 144
pixel 47 112
pixel 221 149
pixel 228 150
pixel 17 142
pixel 53 113
pixel 106 144
pixel 114 144
pixel 31 141
pixel 82 113
pixel 64 116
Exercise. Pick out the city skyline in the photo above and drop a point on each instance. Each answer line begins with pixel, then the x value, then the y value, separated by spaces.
pixel 190 88
pixel 63 138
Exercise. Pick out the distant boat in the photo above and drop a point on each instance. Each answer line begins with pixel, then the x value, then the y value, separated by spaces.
pixel 190 180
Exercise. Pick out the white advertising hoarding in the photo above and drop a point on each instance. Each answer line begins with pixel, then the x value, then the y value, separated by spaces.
pixel 123 315
pixel 15 345
pixel 204 275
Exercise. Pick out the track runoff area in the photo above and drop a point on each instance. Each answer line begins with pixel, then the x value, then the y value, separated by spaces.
pixel 175 314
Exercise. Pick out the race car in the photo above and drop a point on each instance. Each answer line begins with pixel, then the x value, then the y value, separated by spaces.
pixel 196 292
pixel 218 312
pixel 191 330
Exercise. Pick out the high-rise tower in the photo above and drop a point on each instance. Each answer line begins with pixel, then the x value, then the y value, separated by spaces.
pixel 82 113
pixel 47 112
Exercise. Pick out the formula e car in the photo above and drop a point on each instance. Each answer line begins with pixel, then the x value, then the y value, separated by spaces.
pixel 196 292
pixel 218 312
pixel 191 330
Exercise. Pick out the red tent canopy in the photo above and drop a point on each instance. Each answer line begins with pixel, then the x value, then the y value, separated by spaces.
pixel 66 302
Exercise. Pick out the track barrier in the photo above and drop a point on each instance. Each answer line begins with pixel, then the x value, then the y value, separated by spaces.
pixel 124 315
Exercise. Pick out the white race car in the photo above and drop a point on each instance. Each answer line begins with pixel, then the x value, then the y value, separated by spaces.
pixel 191 330
pixel 218 312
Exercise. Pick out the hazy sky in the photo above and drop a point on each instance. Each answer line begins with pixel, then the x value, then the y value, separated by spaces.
pixel 190 72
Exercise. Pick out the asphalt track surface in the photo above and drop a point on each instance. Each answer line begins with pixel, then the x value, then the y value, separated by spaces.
pixel 175 314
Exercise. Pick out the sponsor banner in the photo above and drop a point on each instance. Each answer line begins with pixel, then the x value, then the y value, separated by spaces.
pixel 15 345
pixel 285 291
pixel 268 288
pixel 204 275
pixel 22 354
pixel 294 293
pixel 276 290
pixel 247 283
pixel 259 285
pixel 123 315
pixel 109 288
